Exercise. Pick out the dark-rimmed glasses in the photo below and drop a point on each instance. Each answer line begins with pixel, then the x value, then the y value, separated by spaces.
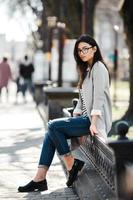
pixel 84 50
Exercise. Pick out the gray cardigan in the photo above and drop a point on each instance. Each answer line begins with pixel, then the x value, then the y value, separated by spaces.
pixel 96 95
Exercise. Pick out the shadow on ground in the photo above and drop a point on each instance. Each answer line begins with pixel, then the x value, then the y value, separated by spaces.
pixel 59 194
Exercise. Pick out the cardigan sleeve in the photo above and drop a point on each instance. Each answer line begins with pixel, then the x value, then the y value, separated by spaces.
pixel 100 82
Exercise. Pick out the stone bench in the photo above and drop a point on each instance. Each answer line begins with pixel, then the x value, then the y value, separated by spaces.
pixel 55 98
pixel 106 164
pixel 38 94
pixel 103 177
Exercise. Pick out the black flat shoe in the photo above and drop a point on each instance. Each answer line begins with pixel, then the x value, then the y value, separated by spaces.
pixel 77 166
pixel 34 186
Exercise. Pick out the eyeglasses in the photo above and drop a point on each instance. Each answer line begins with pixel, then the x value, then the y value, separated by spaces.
pixel 84 50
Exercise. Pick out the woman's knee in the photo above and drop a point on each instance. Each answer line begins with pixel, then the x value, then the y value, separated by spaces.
pixel 56 123
pixel 52 124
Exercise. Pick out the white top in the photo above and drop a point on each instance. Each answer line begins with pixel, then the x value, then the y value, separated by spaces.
pixel 83 107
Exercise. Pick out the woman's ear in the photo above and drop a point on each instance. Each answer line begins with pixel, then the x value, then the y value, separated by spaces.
pixel 95 48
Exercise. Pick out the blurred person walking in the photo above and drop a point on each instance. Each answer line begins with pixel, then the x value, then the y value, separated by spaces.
pixel 25 82
pixel 5 75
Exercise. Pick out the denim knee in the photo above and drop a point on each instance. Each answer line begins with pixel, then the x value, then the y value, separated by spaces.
pixel 57 136
pixel 52 125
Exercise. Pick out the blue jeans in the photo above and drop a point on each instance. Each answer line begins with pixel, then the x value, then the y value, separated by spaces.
pixel 59 130
pixel 27 85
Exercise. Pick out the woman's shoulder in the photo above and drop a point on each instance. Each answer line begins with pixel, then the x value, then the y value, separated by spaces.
pixel 99 67
pixel 99 64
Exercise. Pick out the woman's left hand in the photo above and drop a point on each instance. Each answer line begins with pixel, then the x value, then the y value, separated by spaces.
pixel 93 129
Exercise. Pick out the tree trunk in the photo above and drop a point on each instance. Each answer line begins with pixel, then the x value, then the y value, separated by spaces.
pixel 88 13
pixel 127 16
pixel 74 13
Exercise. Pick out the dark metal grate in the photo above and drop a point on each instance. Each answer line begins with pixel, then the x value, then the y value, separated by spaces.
pixel 103 160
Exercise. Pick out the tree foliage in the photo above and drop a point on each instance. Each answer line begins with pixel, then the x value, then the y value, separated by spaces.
pixel 68 11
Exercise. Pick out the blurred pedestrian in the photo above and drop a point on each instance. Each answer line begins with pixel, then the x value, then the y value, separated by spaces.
pixel 24 81
pixel 5 75
pixel 92 115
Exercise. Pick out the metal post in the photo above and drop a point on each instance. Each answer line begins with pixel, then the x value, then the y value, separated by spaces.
pixel 60 57
pixel 116 28
pixel 51 24
pixel 50 46
pixel 61 28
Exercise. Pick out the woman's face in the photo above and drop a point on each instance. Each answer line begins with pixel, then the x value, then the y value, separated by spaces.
pixel 86 52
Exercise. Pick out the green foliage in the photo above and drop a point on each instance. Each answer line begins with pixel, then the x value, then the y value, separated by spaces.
pixel 68 12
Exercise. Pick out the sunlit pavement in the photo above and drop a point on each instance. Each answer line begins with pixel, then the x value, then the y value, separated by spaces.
pixel 21 136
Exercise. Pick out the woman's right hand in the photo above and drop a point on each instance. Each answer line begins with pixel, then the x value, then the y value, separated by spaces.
pixel 76 114
pixel 93 129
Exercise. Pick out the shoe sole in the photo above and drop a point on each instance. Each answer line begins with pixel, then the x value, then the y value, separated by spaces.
pixel 35 190
pixel 42 189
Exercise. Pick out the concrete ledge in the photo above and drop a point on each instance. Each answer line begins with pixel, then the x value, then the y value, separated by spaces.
pixel 57 98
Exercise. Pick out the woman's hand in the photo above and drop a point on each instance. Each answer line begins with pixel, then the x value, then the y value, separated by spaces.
pixel 93 129
pixel 76 114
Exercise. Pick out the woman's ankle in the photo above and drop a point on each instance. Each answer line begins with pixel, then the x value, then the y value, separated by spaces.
pixel 40 175
pixel 36 179
pixel 69 160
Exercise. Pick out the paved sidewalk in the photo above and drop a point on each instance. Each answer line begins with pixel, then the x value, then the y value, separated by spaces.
pixel 21 136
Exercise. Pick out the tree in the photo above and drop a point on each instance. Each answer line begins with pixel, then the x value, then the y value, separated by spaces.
pixel 25 8
pixel 77 14
pixel 71 12
pixel 88 13
pixel 126 12
pixel 68 12
pixel 127 16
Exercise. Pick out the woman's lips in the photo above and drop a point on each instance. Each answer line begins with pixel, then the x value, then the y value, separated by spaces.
pixel 83 57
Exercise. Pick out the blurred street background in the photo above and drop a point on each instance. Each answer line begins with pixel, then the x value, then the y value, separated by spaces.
pixel 46 31
pixel 21 135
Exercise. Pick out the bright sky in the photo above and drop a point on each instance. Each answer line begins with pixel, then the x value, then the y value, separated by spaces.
pixel 14 29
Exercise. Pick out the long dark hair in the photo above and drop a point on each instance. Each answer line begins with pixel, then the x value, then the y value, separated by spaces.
pixel 82 66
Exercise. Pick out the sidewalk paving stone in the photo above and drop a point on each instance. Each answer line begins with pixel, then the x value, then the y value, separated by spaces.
pixel 21 136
